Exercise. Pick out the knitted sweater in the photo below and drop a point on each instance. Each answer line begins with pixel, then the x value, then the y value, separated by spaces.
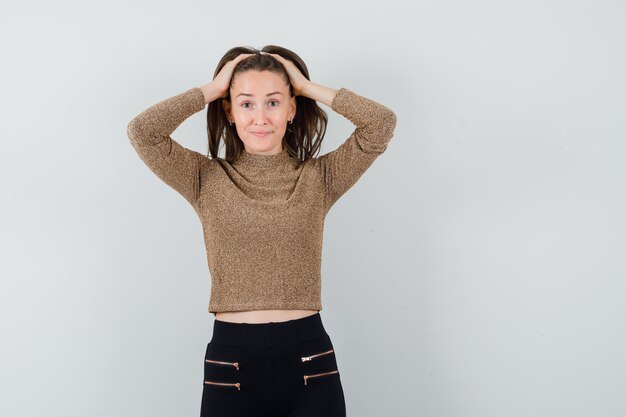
pixel 262 215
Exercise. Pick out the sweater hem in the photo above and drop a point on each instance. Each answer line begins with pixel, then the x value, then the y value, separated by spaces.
pixel 223 308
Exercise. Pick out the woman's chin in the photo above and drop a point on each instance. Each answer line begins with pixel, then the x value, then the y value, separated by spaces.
pixel 262 146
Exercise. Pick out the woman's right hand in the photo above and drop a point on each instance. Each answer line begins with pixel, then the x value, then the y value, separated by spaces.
pixel 221 82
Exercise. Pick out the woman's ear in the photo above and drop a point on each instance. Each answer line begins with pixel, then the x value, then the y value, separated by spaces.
pixel 226 107
pixel 293 105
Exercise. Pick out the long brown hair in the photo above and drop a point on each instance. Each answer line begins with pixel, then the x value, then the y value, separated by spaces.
pixel 302 138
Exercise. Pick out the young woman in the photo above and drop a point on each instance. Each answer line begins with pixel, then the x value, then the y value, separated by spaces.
pixel 262 208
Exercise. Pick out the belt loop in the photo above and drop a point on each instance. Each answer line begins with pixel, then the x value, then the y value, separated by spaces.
pixel 271 334
pixel 267 333
pixel 293 333
pixel 241 334
pixel 299 334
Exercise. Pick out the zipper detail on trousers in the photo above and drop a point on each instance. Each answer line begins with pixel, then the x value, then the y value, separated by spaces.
pixel 306 377
pixel 236 384
pixel 308 358
pixel 235 364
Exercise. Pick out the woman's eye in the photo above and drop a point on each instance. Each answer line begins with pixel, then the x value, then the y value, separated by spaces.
pixel 273 101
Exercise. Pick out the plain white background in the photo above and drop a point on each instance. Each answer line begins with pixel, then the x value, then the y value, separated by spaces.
pixel 477 269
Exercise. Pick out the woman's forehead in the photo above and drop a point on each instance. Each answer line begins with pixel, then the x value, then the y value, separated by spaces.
pixel 259 84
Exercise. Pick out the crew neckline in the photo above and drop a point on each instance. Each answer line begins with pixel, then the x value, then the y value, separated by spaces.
pixel 262 160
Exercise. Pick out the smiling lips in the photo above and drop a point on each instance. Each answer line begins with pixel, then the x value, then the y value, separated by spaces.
pixel 261 133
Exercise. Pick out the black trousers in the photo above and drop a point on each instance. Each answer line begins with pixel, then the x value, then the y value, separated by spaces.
pixel 276 369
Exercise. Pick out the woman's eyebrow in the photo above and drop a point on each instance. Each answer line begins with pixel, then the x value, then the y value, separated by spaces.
pixel 252 95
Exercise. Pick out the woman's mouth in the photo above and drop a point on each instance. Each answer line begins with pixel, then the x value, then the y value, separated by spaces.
pixel 261 134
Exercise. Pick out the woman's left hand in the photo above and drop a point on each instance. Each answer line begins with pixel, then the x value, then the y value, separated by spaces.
pixel 297 80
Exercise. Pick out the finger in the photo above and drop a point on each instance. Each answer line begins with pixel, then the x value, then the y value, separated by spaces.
pixel 274 55
pixel 243 56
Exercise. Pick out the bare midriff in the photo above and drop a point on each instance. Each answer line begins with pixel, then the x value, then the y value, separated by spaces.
pixel 262 316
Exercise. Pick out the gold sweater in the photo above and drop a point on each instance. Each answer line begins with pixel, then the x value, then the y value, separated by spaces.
pixel 263 215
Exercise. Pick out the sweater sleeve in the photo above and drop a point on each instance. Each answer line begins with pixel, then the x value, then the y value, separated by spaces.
pixel 375 125
pixel 149 133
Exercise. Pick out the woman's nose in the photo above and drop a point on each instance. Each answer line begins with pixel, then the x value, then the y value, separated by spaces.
pixel 259 116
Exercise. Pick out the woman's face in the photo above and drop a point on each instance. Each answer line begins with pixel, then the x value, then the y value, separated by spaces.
pixel 261 108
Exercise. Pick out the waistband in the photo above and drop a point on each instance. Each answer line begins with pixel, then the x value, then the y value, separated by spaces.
pixel 268 334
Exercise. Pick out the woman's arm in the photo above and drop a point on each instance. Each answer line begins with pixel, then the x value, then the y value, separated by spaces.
pixel 319 92
pixel 149 133
pixel 375 125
